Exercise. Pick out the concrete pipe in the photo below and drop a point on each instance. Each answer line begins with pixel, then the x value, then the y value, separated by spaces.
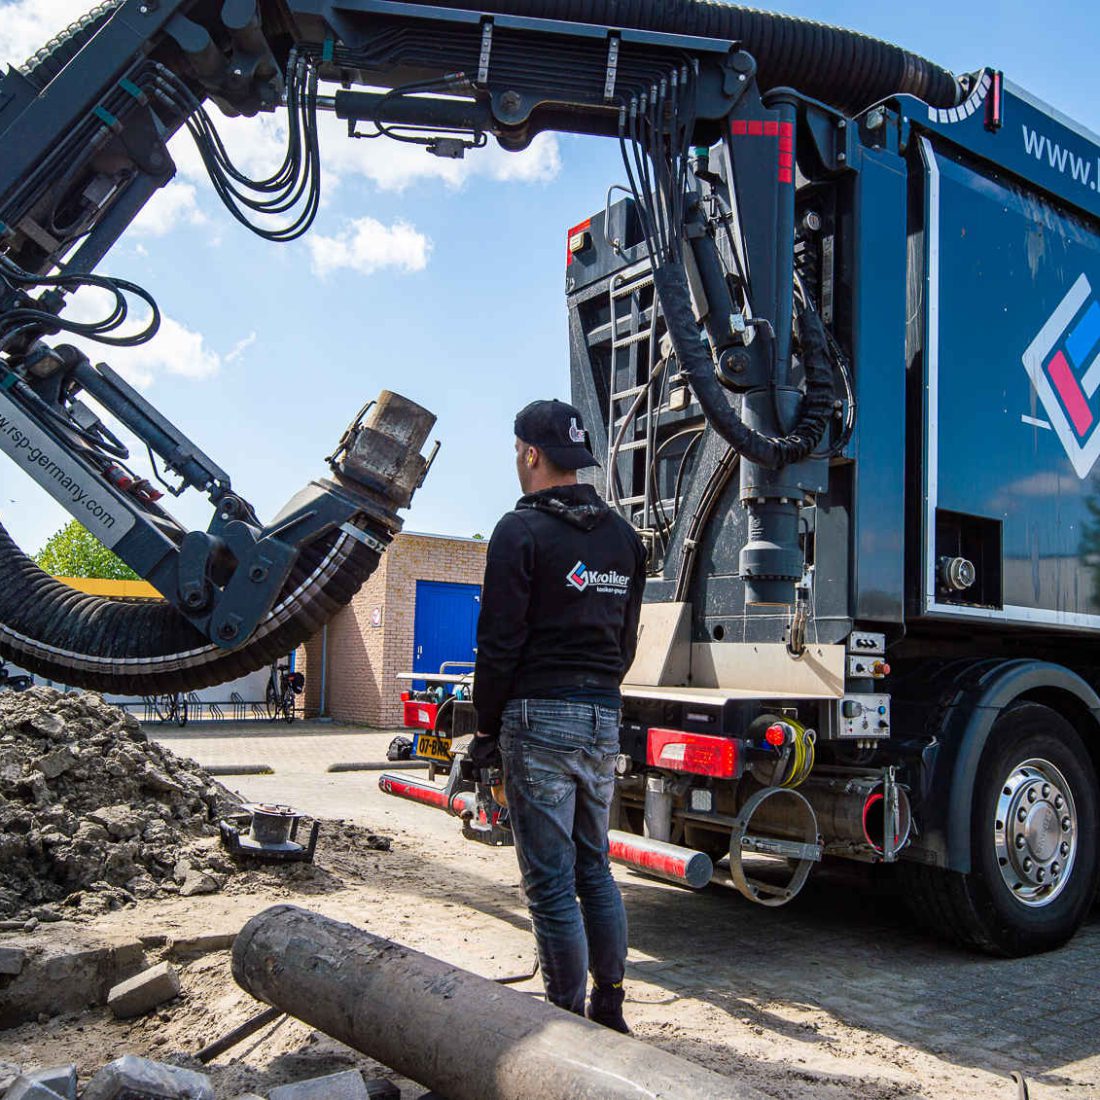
pixel 461 1035
pixel 671 862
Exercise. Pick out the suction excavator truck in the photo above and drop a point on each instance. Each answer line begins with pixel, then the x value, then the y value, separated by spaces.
pixel 834 331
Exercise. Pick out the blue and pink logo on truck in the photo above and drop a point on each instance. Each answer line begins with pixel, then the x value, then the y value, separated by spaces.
pixel 1063 363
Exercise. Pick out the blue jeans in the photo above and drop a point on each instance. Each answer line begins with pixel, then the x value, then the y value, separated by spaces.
pixel 559 775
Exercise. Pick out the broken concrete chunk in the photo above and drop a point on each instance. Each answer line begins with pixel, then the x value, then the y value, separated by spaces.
pixel 184 947
pixel 120 821
pixel 11 961
pixel 56 763
pixel 382 1088
pixel 52 725
pixel 198 882
pixel 44 1084
pixel 347 1085
pixel 142 1079
pixel 23 1088
pixel 144 991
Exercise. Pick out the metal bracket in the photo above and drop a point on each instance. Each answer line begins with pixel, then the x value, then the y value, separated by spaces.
pixel 806 852
pixel 891 818
pixel 486 50
pixel 360 535
pixel 612 67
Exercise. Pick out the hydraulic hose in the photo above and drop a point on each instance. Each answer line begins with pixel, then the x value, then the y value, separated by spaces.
pixel 844 68
pixel 145 647
pixel 695 362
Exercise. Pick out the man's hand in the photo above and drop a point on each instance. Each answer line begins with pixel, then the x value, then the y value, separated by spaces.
pixel 484 752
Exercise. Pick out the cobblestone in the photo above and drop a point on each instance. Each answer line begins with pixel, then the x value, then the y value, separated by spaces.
pixel 842 955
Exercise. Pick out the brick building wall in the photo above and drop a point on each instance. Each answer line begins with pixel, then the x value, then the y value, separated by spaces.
pixel 371 640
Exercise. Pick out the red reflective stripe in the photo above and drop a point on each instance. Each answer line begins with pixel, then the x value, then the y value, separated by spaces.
pixel 568 236
pixel 771 128
pixel 650 860
pixel 786 144
pixel 415 792
pixel 756 127
pixel 786 160
pixel 1069 389
pixel 785 175
pixel 739 127
pixel 786 129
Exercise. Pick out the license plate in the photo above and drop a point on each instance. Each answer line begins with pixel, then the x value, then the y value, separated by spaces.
pixel 429 746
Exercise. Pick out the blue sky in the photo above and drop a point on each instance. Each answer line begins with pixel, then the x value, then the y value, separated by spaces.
pixel 447 288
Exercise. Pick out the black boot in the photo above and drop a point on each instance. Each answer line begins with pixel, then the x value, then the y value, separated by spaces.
pixel 605 1006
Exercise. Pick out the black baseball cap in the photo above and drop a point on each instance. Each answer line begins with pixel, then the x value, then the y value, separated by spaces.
pixel 556 428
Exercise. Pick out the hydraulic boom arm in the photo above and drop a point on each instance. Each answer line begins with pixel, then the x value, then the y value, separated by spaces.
pixel 84 127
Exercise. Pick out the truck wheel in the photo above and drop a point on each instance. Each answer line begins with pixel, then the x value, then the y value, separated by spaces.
pixel 1034 841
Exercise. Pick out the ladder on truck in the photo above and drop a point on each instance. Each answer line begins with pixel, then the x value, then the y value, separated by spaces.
pixel 635 380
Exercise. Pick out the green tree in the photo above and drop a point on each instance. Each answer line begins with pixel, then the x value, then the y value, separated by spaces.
pixel 75 552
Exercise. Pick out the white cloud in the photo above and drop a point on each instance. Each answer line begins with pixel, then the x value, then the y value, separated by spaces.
pixel 172 205
pixel 27 25
pixel 366 245
pixel 175 349
pixel 240 347
pixel 256 145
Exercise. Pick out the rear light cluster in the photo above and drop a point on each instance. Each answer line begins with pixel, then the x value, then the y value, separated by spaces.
pixel 695 753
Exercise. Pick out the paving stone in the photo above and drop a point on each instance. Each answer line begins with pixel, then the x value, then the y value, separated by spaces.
pixel 144 991
pixel 347 1085
pixel 12 960
pixel 382 1088
pixel 142 1079
pixel 128 957
pixel 61 1079
pixel 23 1088
pixel 184 947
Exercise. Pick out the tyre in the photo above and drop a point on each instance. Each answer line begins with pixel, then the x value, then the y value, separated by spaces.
pixel 181 712
pixel 1035 862
pixel 271 701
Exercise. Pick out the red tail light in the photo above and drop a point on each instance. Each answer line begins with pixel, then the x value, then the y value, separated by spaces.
pixel 776 735
pixel 697 753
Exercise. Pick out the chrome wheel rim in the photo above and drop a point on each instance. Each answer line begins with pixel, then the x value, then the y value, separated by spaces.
pixel 1035 832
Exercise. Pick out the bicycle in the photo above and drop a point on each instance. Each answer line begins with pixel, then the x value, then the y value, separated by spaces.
pixel 282 686
pixel 171 708
pixel 11 682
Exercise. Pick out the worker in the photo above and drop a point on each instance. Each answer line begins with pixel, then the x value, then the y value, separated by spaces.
pixel 558 629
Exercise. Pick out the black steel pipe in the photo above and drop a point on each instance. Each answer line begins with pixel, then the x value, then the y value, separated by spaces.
pixel 462 1035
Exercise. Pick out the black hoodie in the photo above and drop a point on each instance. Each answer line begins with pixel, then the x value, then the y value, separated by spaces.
pixel 559 609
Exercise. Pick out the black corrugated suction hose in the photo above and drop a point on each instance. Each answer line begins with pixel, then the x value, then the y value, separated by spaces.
pixel 145 647
pixel 844 68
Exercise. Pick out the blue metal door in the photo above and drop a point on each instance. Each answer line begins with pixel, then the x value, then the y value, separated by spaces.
pixel 445 628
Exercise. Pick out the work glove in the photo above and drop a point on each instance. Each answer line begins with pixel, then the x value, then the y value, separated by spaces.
pixel 484 752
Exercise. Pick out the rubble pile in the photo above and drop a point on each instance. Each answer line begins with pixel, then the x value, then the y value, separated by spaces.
pixel 93 815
